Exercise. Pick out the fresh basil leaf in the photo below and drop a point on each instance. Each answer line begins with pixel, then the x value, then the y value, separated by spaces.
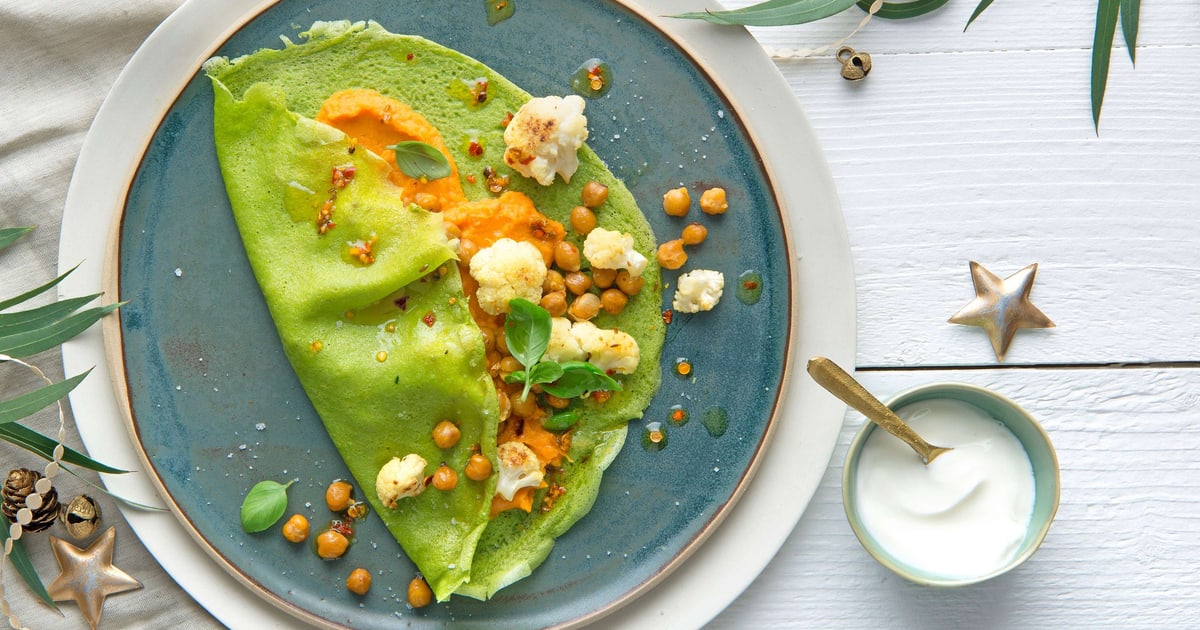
pixel 263 505
pixel 562 420
pixel 773 12
pixel 419 159
pixel 545 372
pixel 527 331
pixel 579 378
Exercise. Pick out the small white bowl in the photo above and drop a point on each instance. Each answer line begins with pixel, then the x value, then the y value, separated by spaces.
pixel 1027 430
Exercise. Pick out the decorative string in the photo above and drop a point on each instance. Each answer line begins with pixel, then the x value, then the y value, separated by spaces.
pixel 781 54
pixel 34 500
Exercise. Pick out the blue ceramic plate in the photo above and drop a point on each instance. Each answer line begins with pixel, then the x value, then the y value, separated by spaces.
pixel 215 406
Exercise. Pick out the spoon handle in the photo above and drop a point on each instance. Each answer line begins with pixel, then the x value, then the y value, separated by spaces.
pixel 834 379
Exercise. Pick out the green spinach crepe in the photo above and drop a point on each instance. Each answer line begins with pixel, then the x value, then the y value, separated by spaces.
pixel 386 350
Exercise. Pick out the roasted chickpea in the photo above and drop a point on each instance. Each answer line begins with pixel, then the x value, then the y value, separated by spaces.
pixel 629 283
pixel 331 544
pixel 555 303
pixel 671 254
pixel 489 339
pixel 694 234
pixel 613 301
pixel 359 581
pixel 419 593
pixel 594 193
pixel 509 365
pixel 501 343
pixel 584 307
pixel 338 496
pixel 525 408
pixel 554 402
pixel 712 201
pixel 577 282
pixel 553 282
pixel 296 529
pixel 583 220
pixel 604 278
pixel 452 229
pixel 444 478
pixel 445 433
pixel 478 468
pixel 428 202
pixel 566 256
pixel 466 249
pixel 677 202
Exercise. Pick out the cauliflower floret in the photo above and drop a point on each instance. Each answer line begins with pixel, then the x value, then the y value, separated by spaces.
pixel 608 249
pixel 506 270
pixel 519 468
pixel 400 478
pixel 610 349
pixel 544 136
pixel 563 345
pixel 698 290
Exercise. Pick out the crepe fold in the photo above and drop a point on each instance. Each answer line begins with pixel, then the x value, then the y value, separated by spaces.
pixel 385 346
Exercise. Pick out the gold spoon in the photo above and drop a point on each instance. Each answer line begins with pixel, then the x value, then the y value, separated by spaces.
pixel 834 379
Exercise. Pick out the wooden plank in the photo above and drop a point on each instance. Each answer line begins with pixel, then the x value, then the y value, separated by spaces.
pixel 1121 550
pixel 944 159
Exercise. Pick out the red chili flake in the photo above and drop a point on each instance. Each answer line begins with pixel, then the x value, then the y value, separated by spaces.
pixel 474 149
pixel 410 57
pixel 668 315
pixel 428 318
pixel 342 527
pixel 471 178
pixel 595 78
pixel 750 285
pixel 402 303
pixel 508 116
pixel 479 90
pixel 342 176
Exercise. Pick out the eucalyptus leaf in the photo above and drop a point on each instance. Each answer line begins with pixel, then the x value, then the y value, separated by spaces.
pixel 1130 14
pixel 43 447
pixel 264 505
pixel 903 10
pixel 26 404
pixel 8 235
pixel 135 504
pixel 579 378
pixel 773 13
pixel 1106 28
pixel 43 315
pixel 20 561
pixel 32 293
pixel 27 342
pixel 420 160
pixel 983 4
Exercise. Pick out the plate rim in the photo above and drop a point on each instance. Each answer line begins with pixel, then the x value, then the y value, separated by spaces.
pixel 85 347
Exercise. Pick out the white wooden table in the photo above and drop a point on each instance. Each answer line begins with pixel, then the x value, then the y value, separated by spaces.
pixel 958 147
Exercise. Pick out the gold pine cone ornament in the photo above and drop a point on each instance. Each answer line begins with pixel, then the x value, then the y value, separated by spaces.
pixel 17 487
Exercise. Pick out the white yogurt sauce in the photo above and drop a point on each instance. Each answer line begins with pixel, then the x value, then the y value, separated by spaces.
pixel 963 515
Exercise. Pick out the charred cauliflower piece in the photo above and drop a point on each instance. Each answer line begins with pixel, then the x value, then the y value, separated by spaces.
pixel 544 136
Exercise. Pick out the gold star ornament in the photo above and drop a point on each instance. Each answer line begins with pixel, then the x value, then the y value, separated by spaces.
pixel 88 576
pixel 1001 307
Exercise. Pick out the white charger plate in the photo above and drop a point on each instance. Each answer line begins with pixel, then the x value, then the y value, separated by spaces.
pixel 802 443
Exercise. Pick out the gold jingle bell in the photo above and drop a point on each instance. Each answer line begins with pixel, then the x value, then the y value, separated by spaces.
pixel 855 65
pixel 81 517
